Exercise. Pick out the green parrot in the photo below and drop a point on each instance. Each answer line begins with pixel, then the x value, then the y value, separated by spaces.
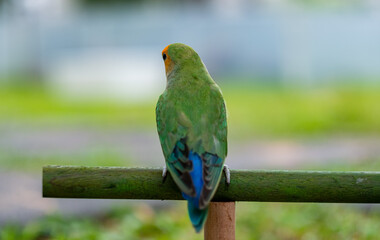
pixel 192 127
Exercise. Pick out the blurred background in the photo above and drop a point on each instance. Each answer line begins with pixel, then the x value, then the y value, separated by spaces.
pixel 79 81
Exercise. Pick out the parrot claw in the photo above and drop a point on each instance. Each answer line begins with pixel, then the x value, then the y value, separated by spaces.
pixel 164 173
pixel 226 171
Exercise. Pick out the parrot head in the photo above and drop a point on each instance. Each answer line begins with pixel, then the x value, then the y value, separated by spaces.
pixel 179 56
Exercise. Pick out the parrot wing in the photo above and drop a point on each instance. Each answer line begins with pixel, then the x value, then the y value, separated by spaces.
pixel 172 133
pixel 213 163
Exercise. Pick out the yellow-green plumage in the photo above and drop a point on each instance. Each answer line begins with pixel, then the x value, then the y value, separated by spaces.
pixel 191 118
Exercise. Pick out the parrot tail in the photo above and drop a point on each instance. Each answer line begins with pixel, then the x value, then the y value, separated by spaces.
pixel 197 216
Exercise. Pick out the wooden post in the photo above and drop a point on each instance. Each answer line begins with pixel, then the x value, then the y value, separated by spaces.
pixel 220 223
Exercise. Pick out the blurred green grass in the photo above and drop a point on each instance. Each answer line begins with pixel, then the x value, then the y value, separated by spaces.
pixel 253 110
pixel 254 221
pixel 37 106
pixel 34 163
pixel 303 112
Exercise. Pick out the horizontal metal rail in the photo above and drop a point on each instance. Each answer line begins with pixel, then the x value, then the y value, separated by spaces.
pixel 246 185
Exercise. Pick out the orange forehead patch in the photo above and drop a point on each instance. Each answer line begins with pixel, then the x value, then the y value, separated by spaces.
pixel 169 65
pixel 165 49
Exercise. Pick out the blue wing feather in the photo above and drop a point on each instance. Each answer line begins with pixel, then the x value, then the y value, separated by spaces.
pixel 197 215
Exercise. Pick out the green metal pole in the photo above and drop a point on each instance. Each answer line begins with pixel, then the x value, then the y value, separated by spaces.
pixel 246 185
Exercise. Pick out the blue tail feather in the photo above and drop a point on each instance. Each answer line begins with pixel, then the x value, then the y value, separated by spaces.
pixel 197 216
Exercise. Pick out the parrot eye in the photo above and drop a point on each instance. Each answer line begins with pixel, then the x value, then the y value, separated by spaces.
pixel 164 56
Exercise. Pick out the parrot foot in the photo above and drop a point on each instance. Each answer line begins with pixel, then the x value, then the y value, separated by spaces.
pixel 164 173
pixel 226 171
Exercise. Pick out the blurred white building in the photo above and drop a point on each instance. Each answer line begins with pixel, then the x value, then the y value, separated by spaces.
pixel 117 51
